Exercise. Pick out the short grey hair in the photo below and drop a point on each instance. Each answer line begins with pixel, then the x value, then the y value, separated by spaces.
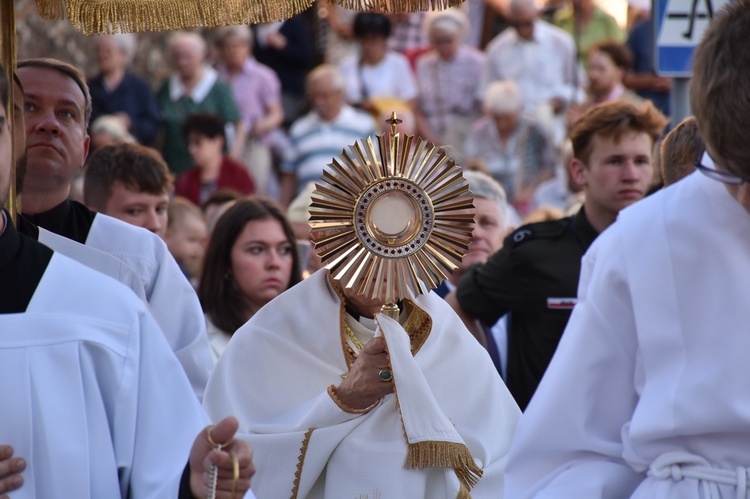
pixel 483 186
pixel 188 36
pixel 241 31
pixel 330 71
pixel 503 97
pixel 522 6
pixel 453 20
pixel 126 43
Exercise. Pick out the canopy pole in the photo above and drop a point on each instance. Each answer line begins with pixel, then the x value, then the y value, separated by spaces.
pixel 8 55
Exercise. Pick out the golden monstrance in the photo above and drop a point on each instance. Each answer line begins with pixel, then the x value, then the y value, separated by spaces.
pixel 391 221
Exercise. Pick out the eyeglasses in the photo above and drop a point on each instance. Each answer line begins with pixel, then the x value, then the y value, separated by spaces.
pixel 705 164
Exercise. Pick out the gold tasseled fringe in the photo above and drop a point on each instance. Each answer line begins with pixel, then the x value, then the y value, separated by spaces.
pixel 446 455
pixel 398 5
pixel 463 493
pixel 93 17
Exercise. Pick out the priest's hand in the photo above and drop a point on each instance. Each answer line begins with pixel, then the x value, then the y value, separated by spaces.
pixel 10 471
pixel 363 386
pixel 203 456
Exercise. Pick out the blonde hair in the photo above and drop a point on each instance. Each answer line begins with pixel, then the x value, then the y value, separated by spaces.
pixel 503 97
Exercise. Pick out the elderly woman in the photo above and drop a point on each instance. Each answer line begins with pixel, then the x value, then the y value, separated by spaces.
pixel 515 150
pixel 448 78
pixel 257 91
pixel 118 92
pixel 194 87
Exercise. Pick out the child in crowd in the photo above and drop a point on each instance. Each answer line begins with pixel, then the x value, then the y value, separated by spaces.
pixel 186 237
pixel 212 170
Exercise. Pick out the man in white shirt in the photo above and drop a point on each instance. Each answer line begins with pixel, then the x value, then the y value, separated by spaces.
pixel 541 59
pixel 647 396
pixel 323 133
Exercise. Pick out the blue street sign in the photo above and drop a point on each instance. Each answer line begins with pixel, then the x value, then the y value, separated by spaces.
pixel 678 27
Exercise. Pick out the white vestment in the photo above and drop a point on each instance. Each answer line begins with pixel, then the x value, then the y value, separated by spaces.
pixel 94 259
pixel 274 377
pixel 647 395
pixel 173 300
pixel 92 396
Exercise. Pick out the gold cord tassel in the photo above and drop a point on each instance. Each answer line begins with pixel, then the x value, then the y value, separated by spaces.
pixel 92 17
pixel 446 455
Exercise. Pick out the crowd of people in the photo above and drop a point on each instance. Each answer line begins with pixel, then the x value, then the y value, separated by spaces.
pixel 587 345
pixel 501 101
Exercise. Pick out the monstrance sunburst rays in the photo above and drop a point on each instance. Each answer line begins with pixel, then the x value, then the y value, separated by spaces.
pixel 393 220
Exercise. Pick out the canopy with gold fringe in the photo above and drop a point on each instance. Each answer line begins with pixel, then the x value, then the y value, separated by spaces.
pixel 92 17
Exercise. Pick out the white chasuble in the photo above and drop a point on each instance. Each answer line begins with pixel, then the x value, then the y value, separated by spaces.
pixel 648 395
pixel 92 396
pixel 450 405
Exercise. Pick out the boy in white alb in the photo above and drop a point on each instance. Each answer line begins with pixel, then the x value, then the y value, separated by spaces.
pixel 646 396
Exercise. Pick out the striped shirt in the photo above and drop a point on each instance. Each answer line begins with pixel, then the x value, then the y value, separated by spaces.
pixel 316 142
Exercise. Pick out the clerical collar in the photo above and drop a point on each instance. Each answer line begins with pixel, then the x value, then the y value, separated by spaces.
pixel 22 265
pixel 69 219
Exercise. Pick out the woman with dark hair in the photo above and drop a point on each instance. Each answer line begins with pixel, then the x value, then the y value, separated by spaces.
pixel 251 258
pixel 377 76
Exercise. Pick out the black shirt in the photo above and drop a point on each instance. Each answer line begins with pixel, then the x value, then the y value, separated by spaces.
pixel 23 262
pixel 534 277
pixel 69 219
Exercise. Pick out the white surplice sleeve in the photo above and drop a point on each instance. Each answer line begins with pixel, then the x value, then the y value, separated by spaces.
pixel 568 443
pixel 97 402
pixel 172 299
pixel 167 414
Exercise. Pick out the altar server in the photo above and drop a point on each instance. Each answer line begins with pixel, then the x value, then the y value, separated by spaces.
pixel 647 395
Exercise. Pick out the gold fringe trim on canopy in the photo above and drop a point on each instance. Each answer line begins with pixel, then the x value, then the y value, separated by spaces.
pixel 397 6
pixel 93 17
pixel 434 454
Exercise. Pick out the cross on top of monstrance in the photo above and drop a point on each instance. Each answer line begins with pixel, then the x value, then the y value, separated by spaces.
pixel 393 221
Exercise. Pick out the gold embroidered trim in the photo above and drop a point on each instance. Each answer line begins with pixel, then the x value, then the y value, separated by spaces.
pixel 346 408
pixel 433 454
pixel 349 354
pixel 301 461
pixel 93 17
pixel 418 325
pixel 353 337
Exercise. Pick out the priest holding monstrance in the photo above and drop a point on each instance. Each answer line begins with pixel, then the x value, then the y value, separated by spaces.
pixel 358 382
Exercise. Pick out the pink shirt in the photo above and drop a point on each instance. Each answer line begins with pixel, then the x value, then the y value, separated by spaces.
pixel 255 88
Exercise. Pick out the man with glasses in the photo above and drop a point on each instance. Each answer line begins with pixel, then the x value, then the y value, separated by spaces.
pixel 541 59
pixel 647 396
